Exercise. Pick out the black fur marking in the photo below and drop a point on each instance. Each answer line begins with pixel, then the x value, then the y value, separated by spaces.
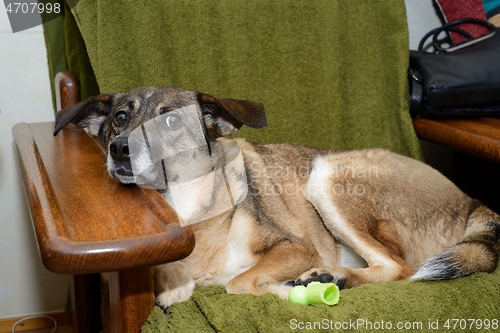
pixel 495 225
pixel 263 219
pixel 103 135
pixel 269 245
pixel 474 205
pixel 496 228
pixel 164 171
pixel 146 139
pixel 163 308
pixel 207 137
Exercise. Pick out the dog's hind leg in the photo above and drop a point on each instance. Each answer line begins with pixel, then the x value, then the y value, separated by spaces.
pixel 376 241
pixel 281 264
pixel 380 248
pixel 477 251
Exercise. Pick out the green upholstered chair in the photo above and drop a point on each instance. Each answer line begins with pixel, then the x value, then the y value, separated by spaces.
pixel 330 74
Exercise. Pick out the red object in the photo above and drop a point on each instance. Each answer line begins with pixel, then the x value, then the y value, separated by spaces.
pixel 459 9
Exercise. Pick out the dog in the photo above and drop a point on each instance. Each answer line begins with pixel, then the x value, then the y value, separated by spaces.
pixel 304 214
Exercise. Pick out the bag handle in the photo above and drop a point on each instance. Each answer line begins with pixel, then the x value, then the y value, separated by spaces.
pixel 433 32
pixel 451 26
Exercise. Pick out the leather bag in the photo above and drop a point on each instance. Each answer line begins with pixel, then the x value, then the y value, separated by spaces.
pixel 460 80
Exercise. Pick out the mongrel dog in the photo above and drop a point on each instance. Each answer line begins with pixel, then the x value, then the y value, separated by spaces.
pixel 351 217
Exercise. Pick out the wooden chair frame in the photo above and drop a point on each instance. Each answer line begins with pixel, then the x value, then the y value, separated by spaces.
pixel 86 223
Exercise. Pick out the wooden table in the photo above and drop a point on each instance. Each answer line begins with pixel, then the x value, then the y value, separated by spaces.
pixel 85 222
pixel 476 153
pixel 478 137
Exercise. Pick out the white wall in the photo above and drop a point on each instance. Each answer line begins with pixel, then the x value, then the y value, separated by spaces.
pixel 26 287
pixel 422 17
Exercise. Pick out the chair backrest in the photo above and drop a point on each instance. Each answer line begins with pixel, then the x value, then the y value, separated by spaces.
pixel 330 73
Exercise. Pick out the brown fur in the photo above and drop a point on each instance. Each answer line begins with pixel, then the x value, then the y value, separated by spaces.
pixel 306 208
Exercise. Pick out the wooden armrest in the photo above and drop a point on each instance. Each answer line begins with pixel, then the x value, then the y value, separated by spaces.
pixel 475 136
pixel 84 221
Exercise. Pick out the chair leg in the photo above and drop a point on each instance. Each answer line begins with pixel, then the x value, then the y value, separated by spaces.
pixel 85 303
pixel 131 299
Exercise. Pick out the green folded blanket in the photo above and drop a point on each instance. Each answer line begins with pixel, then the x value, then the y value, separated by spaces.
pixel 330 73
pixel 468 304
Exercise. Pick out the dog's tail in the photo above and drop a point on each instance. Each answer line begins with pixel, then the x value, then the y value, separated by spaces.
pixel 478 250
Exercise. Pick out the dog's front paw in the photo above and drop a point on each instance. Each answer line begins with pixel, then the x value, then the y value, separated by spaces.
pixel 323 275
pixel 173 284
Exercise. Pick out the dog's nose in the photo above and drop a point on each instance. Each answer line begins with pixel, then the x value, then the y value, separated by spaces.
pixel 119 149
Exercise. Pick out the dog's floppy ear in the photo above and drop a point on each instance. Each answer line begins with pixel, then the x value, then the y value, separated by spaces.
pixel 228 115
pixel 89 114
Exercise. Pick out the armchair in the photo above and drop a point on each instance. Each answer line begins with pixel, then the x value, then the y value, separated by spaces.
pixel 330 73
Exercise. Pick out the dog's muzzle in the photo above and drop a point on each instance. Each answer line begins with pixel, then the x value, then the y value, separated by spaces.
pixel 170 152
pixel 120 155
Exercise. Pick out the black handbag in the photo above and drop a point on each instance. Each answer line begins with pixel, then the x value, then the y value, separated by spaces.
pixel 461 80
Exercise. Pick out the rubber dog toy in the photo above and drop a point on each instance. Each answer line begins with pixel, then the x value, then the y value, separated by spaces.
pixel 315 293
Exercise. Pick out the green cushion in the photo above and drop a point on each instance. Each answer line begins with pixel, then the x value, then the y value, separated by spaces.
pixel 416 306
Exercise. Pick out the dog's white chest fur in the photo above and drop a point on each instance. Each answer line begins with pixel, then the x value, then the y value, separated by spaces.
pixel 239 257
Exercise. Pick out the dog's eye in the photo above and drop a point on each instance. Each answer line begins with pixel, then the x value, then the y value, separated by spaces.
pixel 173 121
pixel 121 118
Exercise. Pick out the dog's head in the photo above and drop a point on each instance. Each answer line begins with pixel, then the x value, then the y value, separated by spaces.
pixel 114 118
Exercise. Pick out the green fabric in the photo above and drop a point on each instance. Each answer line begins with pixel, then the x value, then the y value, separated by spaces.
pixel 53 31
pixel 330 73
pixel 66 51
pixel 77 57
pixel 383 306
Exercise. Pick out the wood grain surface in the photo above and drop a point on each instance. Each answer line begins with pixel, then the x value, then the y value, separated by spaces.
pixel 85 221
pixel 475 136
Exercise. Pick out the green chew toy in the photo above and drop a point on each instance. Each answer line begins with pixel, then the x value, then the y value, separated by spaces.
pixel 315 293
